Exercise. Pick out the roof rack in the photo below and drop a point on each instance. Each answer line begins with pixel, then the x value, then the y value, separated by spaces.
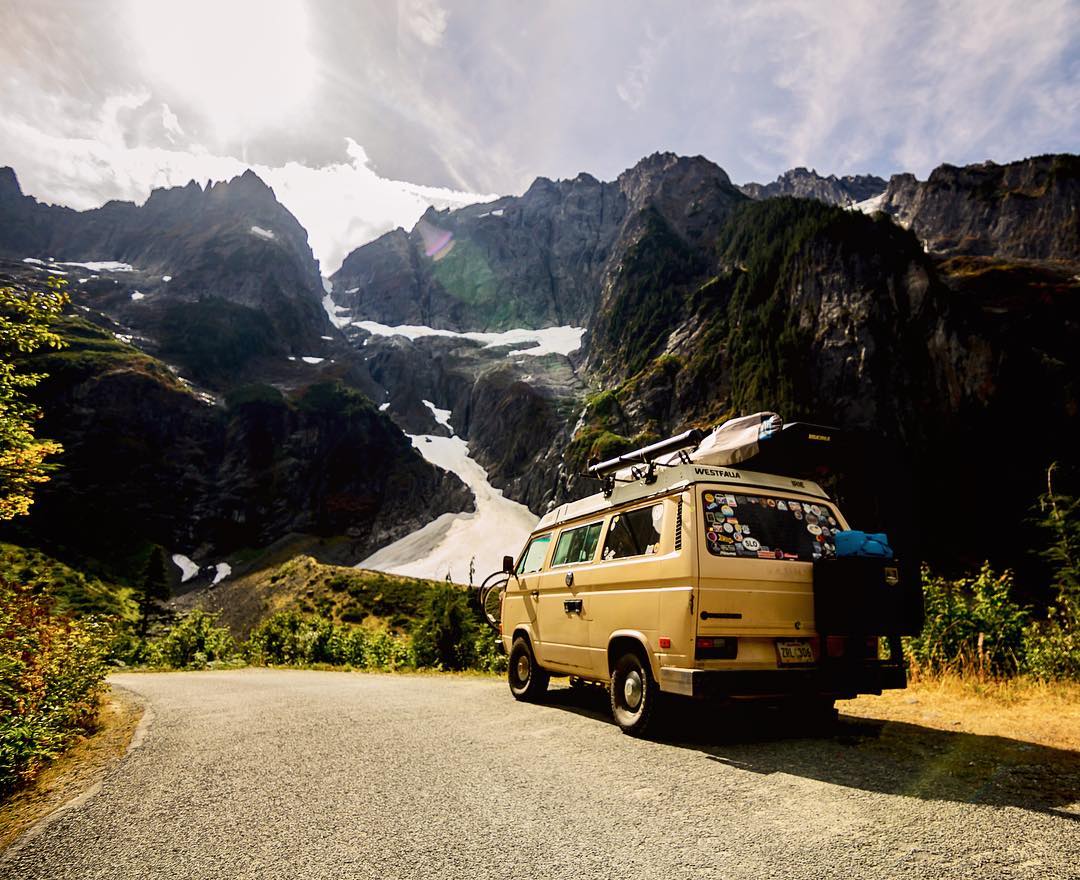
pixel 647 457
pixel 792 449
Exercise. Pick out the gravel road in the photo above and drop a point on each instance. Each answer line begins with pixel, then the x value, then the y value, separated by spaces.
pixel 296 774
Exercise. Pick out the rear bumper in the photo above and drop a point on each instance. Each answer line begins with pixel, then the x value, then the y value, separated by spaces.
pixel 837 680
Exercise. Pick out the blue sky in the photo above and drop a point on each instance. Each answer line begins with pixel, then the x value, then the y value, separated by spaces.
pixel 360 114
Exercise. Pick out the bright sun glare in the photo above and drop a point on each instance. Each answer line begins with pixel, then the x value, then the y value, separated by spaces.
pixel 243 63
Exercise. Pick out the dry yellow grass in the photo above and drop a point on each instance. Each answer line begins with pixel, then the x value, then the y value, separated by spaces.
pixel 1018 709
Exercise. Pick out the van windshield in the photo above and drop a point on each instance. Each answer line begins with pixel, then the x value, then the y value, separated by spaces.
pixel 534 556
pixel 766 527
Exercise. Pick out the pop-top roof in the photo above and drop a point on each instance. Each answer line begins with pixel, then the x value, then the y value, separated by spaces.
pixel 673 478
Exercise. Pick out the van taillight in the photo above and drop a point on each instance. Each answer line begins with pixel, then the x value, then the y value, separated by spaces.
pixel 835 646
pixel 716 647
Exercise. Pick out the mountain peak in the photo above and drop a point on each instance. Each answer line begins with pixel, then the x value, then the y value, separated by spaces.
pixel 248 184
pixel 805 183
pixel 651 166
pixel 9 184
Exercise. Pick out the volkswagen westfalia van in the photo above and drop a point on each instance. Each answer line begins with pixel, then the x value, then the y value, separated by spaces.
pixel 700 580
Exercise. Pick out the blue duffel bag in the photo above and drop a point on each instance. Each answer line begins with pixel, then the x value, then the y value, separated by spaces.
pixel 856 543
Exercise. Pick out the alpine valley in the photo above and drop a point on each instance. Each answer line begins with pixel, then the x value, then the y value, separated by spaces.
pixel 417 410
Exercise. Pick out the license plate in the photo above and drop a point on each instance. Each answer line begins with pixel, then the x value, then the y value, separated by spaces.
pixel 794 653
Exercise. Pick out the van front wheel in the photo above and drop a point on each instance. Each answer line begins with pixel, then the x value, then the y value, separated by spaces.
pixel 634 694
pixel 527 680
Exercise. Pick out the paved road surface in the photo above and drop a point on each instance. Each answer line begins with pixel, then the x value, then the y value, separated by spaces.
pixel 295 774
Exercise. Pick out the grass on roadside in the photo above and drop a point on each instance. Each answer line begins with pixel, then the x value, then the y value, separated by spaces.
pixel 1019 708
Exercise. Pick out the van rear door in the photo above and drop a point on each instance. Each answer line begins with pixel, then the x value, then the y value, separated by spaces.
pixel 756 572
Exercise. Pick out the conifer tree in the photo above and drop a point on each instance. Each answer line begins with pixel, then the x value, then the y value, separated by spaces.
pixel 153 590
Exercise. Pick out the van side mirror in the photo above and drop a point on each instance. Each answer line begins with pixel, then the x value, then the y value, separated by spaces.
pixel 508 564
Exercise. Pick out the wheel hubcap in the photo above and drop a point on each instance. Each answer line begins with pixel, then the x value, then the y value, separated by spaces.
pixel 523 668
pixel 632 690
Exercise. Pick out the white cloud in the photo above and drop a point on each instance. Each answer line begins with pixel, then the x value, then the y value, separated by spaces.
pixel 424 19
pixel 955 82
pixel 170 123
pixel 342 205
pixel 634 86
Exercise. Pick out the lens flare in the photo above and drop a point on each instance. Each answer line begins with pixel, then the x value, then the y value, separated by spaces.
pixel 437 242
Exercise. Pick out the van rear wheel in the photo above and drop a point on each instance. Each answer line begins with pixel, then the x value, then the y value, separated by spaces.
pixel 528 681
pixel 634 694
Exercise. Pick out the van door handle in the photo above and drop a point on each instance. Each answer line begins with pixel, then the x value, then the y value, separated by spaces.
pixel 535 594
pixel 573 606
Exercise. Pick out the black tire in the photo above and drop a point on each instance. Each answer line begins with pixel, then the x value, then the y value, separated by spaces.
pixel 528 682
pixel 634 694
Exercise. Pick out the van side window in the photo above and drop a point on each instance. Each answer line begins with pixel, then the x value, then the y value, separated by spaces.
pixel 577 545
pixel 634 533
pixel 533 559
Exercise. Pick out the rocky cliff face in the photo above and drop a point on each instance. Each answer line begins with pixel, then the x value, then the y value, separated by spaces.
pixel 532 261
pixel 1028 209
pixel 148 460
pixel 832 190
pixel 711 305
pixel 537 260
pixel 828 315
pixel 220 276
pixel 700 304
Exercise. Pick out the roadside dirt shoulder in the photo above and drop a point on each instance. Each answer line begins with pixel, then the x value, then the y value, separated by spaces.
pixel 77 771
pixel 1025 711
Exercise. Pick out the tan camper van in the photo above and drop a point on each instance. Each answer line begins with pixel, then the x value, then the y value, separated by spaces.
pixel 698 580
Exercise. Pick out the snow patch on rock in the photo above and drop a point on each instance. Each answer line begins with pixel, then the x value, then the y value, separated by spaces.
pixel 338 315
pixel 870 205
pixel 549 340
pixel 265 234
pixel 103 266
pixel 442 416
pixel 188 569
pixel 446 546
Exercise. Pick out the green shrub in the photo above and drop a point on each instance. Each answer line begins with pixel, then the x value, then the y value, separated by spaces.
pixel 972 624
pixel 1052 650
pixel 445 635
pixel 76 592
pixel 290 638
pixel 488 655
pixel 193 643
pixel 1053 645
pixel 384 650
pixel 51 676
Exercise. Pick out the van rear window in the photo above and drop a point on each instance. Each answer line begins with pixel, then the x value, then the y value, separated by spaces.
pixel 765 527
